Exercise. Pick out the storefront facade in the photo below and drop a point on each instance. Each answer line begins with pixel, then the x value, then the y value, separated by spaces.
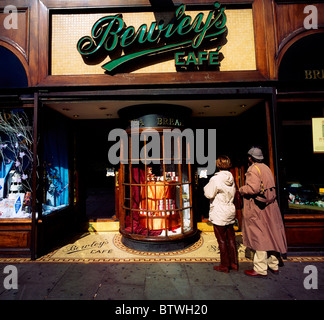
pixel 71 71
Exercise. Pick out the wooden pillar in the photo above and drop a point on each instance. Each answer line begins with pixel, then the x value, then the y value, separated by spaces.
pixel 269 133
pixel 37 179
pixel 34 179
pixel 274 141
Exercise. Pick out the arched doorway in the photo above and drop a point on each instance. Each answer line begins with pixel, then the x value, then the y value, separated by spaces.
pixel 301 115
pixel 12 72
pixel 301 59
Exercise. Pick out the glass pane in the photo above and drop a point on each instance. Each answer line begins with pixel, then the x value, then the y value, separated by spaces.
pixel 178 197
pixel 186 205
pixel 56 163
pixel 172 172
pixel 128 221
pixel 16 157
pixel 126 174
pixel 127 196
pixel 185 173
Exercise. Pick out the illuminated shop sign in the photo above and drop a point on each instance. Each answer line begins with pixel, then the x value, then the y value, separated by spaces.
pixel 153 120
pixel 185 36
pixel 317 74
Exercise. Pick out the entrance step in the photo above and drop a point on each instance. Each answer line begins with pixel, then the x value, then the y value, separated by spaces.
pixel 113 226
pixel 101 226
pixel 205 226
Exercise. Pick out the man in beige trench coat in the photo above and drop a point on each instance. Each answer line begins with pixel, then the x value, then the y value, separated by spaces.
pixel 263 229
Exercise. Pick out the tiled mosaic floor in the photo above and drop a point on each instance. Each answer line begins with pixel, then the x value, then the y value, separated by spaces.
pixel 107 247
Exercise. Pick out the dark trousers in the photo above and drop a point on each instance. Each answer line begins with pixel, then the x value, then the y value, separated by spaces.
pixel 225 236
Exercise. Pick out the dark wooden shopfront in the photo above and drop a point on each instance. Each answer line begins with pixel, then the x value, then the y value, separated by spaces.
pixel 248 98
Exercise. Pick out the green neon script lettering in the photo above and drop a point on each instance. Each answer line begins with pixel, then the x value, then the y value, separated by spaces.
pixel 110 32
pixel 101 32
pixel 111 65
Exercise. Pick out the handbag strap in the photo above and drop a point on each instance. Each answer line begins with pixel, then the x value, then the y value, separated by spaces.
pixel 262 192
pixel 262 187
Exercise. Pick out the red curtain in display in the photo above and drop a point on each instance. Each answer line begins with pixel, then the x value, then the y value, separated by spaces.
pixel 158 196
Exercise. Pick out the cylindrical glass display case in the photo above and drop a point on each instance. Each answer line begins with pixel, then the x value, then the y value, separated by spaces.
pixel 156 185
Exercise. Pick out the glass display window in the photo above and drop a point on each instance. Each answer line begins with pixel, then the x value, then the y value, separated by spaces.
pixel 302 167
pixel 55 163
pixel 16 163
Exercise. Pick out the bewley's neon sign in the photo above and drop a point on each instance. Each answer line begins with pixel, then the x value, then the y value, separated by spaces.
pixel 182 32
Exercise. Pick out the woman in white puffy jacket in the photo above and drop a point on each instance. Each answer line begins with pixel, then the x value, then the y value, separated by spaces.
pixel 221 191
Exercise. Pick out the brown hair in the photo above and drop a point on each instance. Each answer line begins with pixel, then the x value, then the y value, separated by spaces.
pixel 223 163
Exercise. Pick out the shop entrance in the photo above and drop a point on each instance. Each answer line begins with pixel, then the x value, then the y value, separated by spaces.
pixel 239 123
pixel 96 173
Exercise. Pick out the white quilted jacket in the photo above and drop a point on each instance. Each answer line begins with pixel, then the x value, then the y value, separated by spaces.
pixel 221 190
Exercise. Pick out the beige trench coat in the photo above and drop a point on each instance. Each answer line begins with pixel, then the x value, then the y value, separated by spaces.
pixel 262 228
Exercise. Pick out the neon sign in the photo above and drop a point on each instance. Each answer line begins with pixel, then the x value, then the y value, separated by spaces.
pixel 183 32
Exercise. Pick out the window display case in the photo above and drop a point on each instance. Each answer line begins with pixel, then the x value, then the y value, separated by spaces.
pixel 302 175
pixel 16 180
pixel 303 167
pixel 309 197
pixel 156 201
pixel 16 157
